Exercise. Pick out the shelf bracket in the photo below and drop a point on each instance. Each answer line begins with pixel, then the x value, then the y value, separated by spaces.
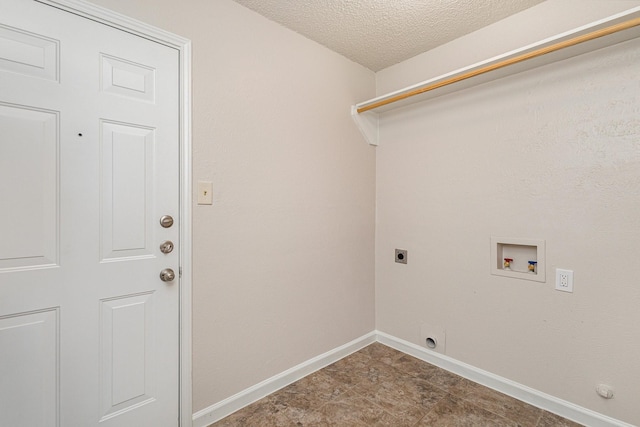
pixel 367 123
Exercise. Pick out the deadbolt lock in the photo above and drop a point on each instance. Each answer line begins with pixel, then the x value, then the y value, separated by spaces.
pixel 166 221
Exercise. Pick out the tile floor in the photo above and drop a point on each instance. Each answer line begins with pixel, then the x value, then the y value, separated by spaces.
pixel 379 386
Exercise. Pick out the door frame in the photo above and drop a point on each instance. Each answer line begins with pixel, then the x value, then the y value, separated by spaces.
pixel 183 46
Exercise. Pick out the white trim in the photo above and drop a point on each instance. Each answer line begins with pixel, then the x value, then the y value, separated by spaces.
pixel 117 20
pixel 549 403
pixel 511 388
pixel 238 401
pixel 183 46
pixel 186 234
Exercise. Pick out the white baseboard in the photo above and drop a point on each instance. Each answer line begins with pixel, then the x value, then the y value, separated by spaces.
pixel 238 401
pixel 526 394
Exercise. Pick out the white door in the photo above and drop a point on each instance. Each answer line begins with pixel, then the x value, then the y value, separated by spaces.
pixel 89 163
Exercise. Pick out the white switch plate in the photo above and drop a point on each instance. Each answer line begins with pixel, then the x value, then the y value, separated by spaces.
pixel 564 280
pixel 205 193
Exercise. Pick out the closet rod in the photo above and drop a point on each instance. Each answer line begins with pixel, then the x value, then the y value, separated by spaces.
pixel 534 54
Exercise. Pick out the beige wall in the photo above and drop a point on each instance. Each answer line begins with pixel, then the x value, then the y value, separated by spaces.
pixel 283 260
pixel 550 154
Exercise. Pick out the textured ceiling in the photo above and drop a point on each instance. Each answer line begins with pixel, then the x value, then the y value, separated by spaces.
pixel 380 33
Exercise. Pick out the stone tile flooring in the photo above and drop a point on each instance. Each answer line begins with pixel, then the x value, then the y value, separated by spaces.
pixel 379 386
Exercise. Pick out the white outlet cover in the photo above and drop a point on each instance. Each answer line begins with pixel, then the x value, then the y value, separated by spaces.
pixel 564 280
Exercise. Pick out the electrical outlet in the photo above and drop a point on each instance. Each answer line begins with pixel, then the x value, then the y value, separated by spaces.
pixel 564 280
pixel 401 256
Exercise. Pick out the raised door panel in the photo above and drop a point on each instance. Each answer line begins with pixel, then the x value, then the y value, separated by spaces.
pixel 126 353
pixel 29 369
pixel 127 78
pixel 29 187
pixel 127 169
pixel 28 54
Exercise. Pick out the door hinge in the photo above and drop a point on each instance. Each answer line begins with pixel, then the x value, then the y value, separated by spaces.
pixel 180 272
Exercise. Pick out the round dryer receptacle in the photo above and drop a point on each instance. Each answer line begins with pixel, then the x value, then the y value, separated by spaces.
pixel 431 342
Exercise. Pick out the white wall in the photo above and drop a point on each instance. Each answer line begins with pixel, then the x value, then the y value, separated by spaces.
pixel 283 260
pixel 550 154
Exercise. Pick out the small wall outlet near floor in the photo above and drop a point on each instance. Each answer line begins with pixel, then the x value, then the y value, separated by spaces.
pixel 564 280
pixel 433 337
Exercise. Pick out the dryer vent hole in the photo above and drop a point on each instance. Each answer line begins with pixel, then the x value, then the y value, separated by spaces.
pixel 431 342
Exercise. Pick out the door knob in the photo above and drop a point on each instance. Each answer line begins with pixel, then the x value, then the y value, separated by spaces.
pixel 166 246
pixel 167 275
pixel 166 221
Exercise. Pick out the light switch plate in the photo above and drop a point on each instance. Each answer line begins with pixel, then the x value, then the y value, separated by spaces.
pixel 205 193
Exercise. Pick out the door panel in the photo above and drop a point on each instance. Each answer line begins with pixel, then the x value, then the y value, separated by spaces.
pixel 88 165
pixel 127 78
pixel 127 171
pixel 127 353
pixel 28 185
pixel 29 351
pixel 29 54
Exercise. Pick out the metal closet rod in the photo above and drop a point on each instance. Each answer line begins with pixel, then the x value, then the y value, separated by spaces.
pixel 516 59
